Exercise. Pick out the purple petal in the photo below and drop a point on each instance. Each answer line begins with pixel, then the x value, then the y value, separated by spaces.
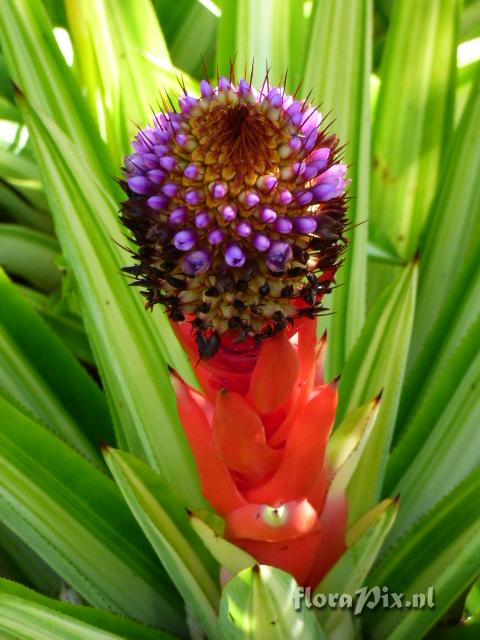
pixel 216 236
pixel 219 190
pixel 304 225
pixel 167 163
pixel 179 215
pixel 283 225
pixel 170 189
pixel 268 215
pixel 267 183
pixel 156 176
pixel 158 202
pixel 140 184
pixel 228 212
pixel 206 89
pixel 191 171
pixel 196 262
pixel 260 241
pixel 224 84
pixel 192 197
pixel 202 219
pixel 303 198
pixel 184 240
pixel 283 196
pixel 278 254
pixel 234 256
pixel 243 228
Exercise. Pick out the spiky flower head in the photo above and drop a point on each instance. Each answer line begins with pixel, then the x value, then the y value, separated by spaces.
pixel 236 202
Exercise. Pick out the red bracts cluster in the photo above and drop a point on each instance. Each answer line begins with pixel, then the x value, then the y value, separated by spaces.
pixel 259 435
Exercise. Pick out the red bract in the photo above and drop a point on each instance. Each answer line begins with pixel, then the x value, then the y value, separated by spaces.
pixel 259 436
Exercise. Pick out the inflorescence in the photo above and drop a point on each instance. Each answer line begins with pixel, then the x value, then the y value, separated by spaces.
pixel 237 206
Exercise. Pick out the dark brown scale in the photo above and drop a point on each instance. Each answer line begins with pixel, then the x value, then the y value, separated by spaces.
pixel 264 290
pixel 207 345
pixel 287 291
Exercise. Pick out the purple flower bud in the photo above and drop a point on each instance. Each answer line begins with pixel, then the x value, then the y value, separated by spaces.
pixel 228 212
pixel 206 89
pixel 311 120
pixel 186 103
pixel 243 228
pixel 283 196
pixel 170 189
pixel 161 150
pixel 319 157
pixel 196 262
pixel 268 215
pixel 184 240
pixel 140 184
pixel 234 256
pixel 260 241
pixel 179 215
pixel 275 97
pixel 192 171
pixel 167 163
pixel 303 198
pixel 267 183
pixel 310 140
pixel 278 254
pixel 216 236
pixel 330 184
pixel 156 176
pixel 224 84
pixel 304 224
pixel 283 225
pixel 158 202
pixel 192 197
pixel 180 139
pixel 202 219
pixel 150 161
pixel 219 190
pixel 243 87
pixel 250 199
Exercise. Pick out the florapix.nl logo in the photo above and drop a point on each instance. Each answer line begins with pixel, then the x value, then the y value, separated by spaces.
pixel 364 597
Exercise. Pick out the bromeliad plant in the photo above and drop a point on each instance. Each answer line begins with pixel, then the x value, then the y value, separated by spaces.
pixel 230 476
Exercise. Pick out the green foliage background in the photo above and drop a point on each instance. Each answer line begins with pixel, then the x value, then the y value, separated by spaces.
pixel 81 362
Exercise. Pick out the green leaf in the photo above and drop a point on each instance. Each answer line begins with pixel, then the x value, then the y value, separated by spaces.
pixel 350 571
pixel 38 68
pixel 190 29
pixel 441 444
pixel 39 373
pixel 454 226
pixel 440 552
pixel 21 210
pixel 338 70
pixel 377 363
pixel 68 327
pixel 75 519
pixel 167 527
pixel 113 42
pixel 259 603
pixel 230 557
pixel 25 612
pixel 30 255
pixel 131 347
pixel 410 133
pixel 252 32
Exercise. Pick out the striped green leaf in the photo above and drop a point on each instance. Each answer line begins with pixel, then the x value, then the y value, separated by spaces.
pixel 30 254
pixel 27 615
pixel 441 444
pixel 413 119
pixel 161 515
pixel 43 377
pixel 75 519
pixel 337 70
pixel 377 363
pixel 130 347
pixel 440 552
pixel 455 222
